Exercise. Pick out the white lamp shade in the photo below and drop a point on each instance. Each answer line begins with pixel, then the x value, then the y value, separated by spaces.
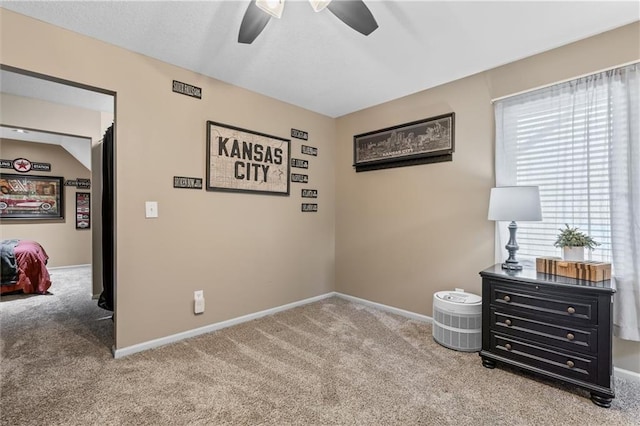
pixel 517 203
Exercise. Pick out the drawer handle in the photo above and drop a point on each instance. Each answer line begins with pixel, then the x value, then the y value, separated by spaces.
pixel 570 336
pixel 506 299
pixel 508 347
pixel 507 322
pixel 570 364
pixel 571 310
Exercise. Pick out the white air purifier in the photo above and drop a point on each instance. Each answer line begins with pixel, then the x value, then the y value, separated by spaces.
pixel 457 320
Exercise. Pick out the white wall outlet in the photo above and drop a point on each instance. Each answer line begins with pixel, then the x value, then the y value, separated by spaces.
pixel 151 209
pixel 198 301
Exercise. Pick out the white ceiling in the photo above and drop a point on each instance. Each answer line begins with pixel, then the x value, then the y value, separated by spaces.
pixel 314 61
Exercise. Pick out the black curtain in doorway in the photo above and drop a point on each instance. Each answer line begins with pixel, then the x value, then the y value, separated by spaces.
pixel 106 297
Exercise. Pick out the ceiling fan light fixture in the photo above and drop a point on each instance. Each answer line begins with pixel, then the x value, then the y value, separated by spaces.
pixel 272 7
pixel 319 5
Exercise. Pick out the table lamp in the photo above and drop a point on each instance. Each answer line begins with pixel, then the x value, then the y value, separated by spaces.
pixel 514 203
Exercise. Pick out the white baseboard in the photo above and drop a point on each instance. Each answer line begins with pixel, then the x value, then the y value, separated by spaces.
pixel 54 268
pixel 632 376
pixel 129 350
pixel 397 311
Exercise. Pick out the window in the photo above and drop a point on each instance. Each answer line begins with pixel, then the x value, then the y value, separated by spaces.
pixel 558 138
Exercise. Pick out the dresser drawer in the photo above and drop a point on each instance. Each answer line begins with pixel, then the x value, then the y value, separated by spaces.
pixel 547 305
pixel 567 364
pixel 571 338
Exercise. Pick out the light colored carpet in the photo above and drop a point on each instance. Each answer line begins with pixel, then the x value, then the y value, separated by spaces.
pixel 328 363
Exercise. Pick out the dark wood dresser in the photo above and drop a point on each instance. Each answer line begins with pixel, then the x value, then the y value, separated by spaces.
pixel 550 325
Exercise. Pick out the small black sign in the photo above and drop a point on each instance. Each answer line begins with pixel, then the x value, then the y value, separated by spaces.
pixel 310 150
pixel 78 183
pixel 187 182
pixel 41 167
pixel 309 207
pixel 83 183
pixel 299 134
pixel 300 164
pixel 187 89
pixel 6 164
pixel 295 177
pixel 309 193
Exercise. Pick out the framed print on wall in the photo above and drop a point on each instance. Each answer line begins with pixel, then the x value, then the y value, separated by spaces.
pixel 419 142
pixel 83 210
pixel 241 160
pixel 31 197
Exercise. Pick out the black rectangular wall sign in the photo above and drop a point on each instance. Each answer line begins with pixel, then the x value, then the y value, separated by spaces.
pixel 187 182
pixel 41 167
pixel 295 177
pixel 187 89
pixel 309 150
pixel 300 164
pixel 83 183
pixel 309 207
pixel 299 134
pixel 309 193
pixel 78 183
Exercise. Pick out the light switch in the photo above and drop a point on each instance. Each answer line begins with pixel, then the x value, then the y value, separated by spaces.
pixel 151 209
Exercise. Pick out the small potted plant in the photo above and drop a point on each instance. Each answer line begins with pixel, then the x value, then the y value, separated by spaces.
pixel 573 242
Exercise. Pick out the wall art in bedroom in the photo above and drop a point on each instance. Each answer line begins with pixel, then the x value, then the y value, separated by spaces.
pixel 242 160
pixel 83 210
pixel 419 142
pixel 31 197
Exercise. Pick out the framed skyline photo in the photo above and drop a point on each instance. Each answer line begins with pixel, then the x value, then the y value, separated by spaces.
pixel 419 142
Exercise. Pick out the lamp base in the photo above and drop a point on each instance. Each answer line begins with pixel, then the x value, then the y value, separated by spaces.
pixel 512 266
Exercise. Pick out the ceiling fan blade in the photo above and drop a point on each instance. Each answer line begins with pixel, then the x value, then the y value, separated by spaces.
pixel 355 14
pixel 252 24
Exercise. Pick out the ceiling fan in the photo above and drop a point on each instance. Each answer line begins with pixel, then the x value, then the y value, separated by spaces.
pixel 354 13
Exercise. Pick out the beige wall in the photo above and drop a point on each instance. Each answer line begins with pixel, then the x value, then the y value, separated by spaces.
pixel 403 234
pixel 64 244
pixel 247 252
pixel 31 113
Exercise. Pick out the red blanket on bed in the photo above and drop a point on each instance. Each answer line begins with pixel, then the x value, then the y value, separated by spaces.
pixel 32 267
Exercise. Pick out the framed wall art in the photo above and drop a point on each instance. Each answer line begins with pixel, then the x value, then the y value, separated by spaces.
pixel 31 197
pixel 83 210
pixel 242 160
pixel 419 142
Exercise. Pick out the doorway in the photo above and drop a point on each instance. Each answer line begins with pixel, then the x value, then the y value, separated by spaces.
pixel 75 109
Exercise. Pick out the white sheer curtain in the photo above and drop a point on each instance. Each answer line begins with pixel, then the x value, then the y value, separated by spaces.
pixel 578 141
pixel 624 173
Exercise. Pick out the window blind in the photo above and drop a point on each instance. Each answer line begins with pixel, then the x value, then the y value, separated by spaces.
pixel 558 139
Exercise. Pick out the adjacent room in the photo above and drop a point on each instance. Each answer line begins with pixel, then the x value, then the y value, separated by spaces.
pixel 320 212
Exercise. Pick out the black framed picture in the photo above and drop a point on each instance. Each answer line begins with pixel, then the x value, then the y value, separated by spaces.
pixel 83 210
pixel 31 197
pixel 425 141
pixel 242 160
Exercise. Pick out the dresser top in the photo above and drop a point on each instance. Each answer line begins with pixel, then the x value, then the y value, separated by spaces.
pixel 530 275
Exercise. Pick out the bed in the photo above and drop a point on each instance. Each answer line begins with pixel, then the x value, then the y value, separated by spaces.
pixel 24 267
